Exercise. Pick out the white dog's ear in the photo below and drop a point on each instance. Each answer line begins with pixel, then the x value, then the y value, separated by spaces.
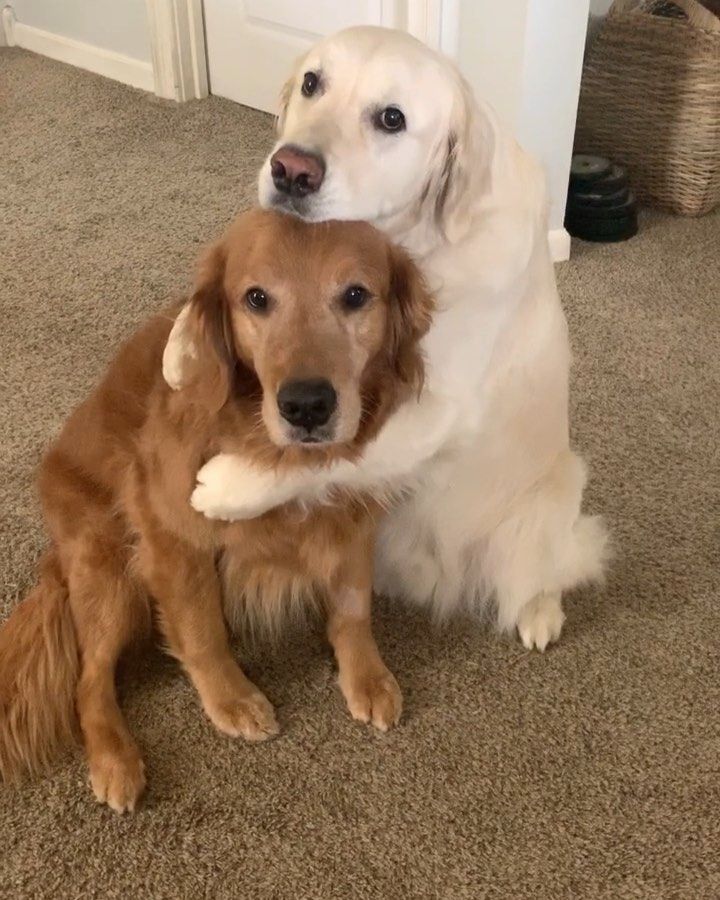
pixel 283 102
pixel 286 92
pixel 461 172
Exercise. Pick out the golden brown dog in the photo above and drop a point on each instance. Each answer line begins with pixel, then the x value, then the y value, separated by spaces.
pixel 307 338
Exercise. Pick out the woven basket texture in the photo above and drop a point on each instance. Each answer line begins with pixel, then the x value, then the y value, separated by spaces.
pixel 650 100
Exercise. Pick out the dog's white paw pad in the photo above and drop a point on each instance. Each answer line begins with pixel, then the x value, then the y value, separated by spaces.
pixel 230 488
pixel 204 499
pixel 541 621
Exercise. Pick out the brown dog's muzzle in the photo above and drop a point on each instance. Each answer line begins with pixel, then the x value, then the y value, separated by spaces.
pixel 307 404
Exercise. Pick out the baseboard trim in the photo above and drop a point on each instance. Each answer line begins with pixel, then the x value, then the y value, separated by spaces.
pixel 559 244
pixel 113 65
pixel 7 23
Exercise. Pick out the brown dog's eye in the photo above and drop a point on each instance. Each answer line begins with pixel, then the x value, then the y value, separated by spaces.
pixel 355 297
pixel 310 84
pixel 256 299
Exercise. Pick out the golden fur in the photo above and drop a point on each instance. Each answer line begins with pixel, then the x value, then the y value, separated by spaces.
pixel 126 548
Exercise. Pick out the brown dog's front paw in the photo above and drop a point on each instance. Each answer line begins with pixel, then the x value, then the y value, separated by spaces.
pixel 373 697
pixel 118 778
pixel 250 716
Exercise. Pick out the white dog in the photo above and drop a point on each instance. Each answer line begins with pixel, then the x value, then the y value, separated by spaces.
pixel 376 126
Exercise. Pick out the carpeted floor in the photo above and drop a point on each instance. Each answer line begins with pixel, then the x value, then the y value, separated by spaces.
pixel 590 772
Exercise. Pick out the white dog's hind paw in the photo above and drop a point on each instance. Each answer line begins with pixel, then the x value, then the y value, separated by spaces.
pixel 541 621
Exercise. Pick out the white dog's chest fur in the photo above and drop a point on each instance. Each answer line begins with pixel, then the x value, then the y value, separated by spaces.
pixel 498 338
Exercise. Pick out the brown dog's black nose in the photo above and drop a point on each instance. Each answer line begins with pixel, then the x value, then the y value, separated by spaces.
pixel 295 171
pixel 307 404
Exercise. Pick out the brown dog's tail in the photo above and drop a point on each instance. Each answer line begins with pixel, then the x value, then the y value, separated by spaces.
pixel 39 664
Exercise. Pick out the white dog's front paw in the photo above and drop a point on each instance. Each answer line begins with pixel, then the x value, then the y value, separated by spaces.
pixel 179 350
pixel 229 489
pixel 541 621
pixel 204 499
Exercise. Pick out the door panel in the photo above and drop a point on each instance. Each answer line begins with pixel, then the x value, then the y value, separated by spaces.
pixel 253 44
pixel 315 18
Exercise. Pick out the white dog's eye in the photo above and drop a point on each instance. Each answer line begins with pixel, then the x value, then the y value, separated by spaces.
pixel 310 84
pixel 390 119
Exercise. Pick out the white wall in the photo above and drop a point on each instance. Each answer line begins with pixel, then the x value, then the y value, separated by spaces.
pixel 116 25
pixel 554 50
pixel 525 58
pixel 491 49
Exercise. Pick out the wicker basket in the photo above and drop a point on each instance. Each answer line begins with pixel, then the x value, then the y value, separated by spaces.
pixel 650 100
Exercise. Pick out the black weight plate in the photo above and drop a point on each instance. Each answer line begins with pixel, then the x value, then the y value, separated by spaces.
pixel 586 169
pixel 604 231
pixel 596 213
pixel 615 180
pixel 591 200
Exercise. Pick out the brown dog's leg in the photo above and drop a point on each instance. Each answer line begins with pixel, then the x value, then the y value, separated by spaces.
pixel 109 613
pixel 369 688
pixel 186 588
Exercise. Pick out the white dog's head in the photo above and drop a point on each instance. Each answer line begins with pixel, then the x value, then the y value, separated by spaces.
pixel 374 125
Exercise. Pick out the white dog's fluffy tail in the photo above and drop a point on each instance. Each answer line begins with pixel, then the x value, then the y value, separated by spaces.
pixel 588 553
pixel 545 546
pixel 549 546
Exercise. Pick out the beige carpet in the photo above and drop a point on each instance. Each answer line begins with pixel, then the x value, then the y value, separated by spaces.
pixel 590 772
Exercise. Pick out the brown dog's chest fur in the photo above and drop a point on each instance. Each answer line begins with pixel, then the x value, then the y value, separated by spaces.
pixel 139 444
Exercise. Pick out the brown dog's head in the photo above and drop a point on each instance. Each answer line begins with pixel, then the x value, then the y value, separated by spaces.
pixel 320 322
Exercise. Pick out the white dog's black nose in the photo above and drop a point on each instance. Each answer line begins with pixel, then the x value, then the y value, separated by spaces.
pixel 307 404
pixel 295 171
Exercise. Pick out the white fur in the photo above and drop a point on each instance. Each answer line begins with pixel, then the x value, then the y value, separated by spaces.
pixel 177 351
pixel 541 621
pixel 493 491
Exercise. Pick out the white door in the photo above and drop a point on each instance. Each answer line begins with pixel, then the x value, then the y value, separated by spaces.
pixel 253 44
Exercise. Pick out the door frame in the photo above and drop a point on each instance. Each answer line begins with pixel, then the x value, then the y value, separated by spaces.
pixel 436 23
pixel 177 48
pixel 179 52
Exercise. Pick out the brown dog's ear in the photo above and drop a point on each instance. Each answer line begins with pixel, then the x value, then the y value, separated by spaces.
pixel 209 326
pixel 410 313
